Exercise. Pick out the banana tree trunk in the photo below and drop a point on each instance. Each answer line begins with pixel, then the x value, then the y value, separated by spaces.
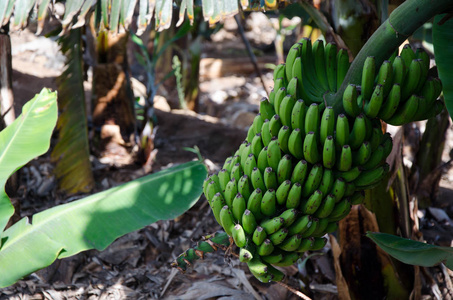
pixel 112 93
pixel 6 86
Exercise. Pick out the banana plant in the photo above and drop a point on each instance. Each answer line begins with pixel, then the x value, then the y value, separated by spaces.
pixel 93 222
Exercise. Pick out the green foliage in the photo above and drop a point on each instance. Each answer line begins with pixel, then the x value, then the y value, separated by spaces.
pixel 413 252
pixel 443 50
pixel 27 137
pixel 90 223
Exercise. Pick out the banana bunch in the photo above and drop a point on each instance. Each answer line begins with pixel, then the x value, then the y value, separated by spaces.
pixel 303 165
pixel 401 92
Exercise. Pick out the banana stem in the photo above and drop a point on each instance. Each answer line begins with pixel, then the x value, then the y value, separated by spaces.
pixel 210 244
pixel 402 23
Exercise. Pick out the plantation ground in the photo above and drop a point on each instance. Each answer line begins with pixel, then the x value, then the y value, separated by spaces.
pixel 137 266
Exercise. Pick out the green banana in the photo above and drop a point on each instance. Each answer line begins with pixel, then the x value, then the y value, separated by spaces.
pixel 277 275
pixel 350 105
pixel 385 77
pixel 279 95
pixel 327 181
pixel 231 190
pixel 286 109
pixel 224 178
pixel 342 131
pixel 344 162
pixel 279 71
pixel 273 258
pixel 284 169
pixel 326 207
pixel 257 179
pixel 271 226
pixel 269 203
pixel 293 199
pixel 371 176
pixel 275 124
pixel 250 134
pixel 249 164
pixel 362 155
pixel 310 148
pixel 257 267
pixel 289 259
pixel 261 162
pixel 309 232
pixel 283 138
pixel 408 55
pixel 226 220
pixel 270 179
pixel 289 216
pixel 300 172
pixel 239 236
pixel 350 175
pixel 333 226
pixel 295 143
pixel 278 237
pixel 293 89
pixel 328 153
pixel 331 65
pixel 266 248
pixel 246 150
pixel 266 133
pixel 405 113
pixel 212 189
pixel 320 63
pixel 274 154
pixel 238 207
pixel 216 204
pixel 358 132
pixel 245 255
pixel 254 203
pixel 368 75
pixel 399 70
pixel 350 189
pixel 248 222
pixel 412 79
pixel 343 66
pixel 298 115
pixel 320 229
pixel 313 181
pixel 266 109
pixel 244 187
pixel 293 53
pixel 373 106
pixel 338 189
pixel 327 126
pixel 259 235
pixel 300 225
pixel 227 165
pixel 256 145
pixel 376 135
pixel 291 244
pixel 391 104
pixel 283 191
pixel 305 244
pixel 318 243
pixel 312 118
pixel 311 205
pixel 341 210
pixel 257 123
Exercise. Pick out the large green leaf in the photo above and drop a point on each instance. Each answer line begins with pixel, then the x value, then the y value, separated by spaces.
pixel 413 252
pixel 27 137
pixel 96 221
pixel 443 52
pixel 71 153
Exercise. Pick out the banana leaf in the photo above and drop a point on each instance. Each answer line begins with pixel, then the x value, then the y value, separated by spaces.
pixel 27 137
pixel 443 52
pixel 96 221
pixel 413 252
pixel 116 14
pixel 71 153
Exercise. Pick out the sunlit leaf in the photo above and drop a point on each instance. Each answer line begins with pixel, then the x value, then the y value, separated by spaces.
pixel 96 221
pixel 413 252
pixel 27 137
